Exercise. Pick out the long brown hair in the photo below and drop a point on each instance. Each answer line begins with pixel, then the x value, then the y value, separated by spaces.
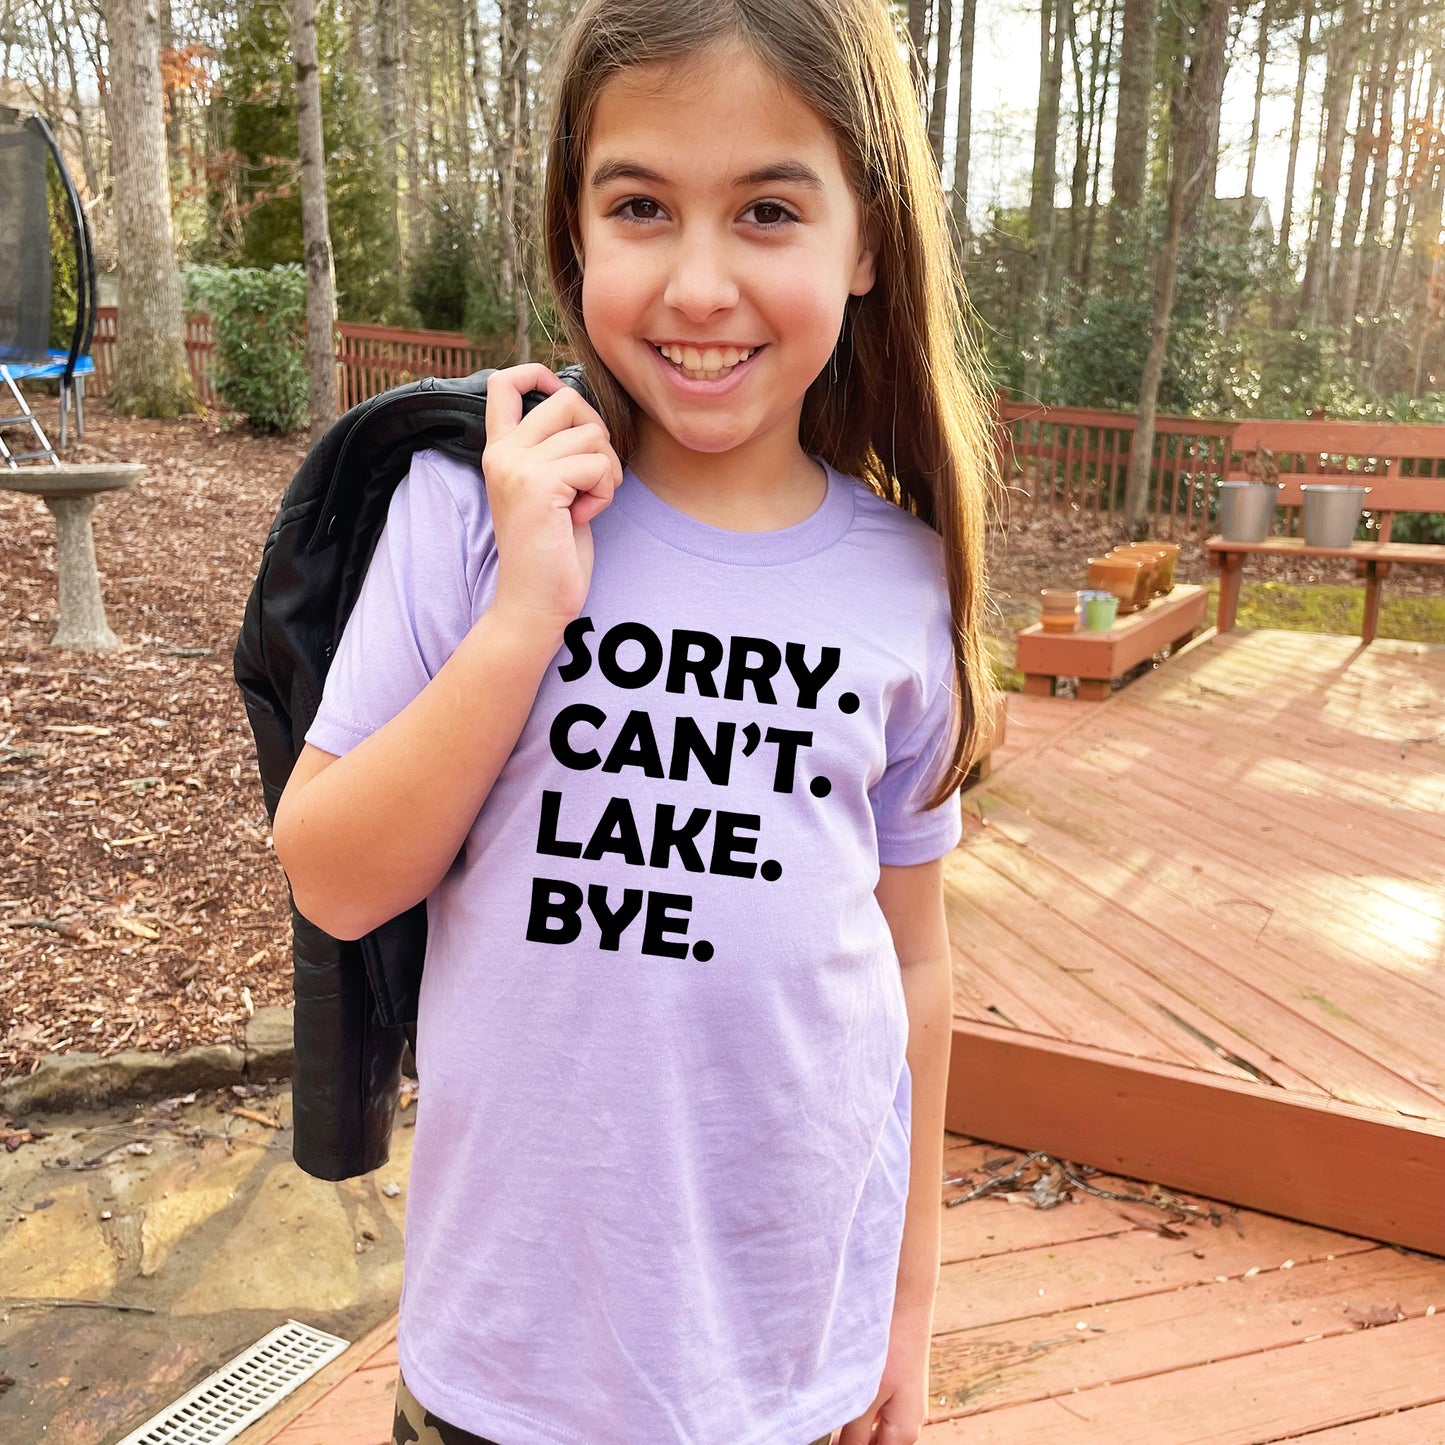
pixel 905 354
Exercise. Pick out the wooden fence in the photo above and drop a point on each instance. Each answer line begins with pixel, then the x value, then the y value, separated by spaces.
pixel 369 359
pixel 1071 459
pixel 199 348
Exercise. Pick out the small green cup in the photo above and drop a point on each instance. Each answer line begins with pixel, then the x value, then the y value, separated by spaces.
pixel 1100 610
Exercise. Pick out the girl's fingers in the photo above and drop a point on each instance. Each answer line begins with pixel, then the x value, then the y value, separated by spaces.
pixel 589 475
pixel 562 409
pixel 505 390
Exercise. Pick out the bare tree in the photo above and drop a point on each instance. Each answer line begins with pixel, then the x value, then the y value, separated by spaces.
pixel 1055 21
pixel 514 158
pixel 1342 48
pixel 315 226
pixel 942 72
pixel 1193 153
pixel 388 42
pixel 1261 59
pixel 1131 126
pixel 963 121
pixel 1306 49
pixel 152 377
pixel 918 46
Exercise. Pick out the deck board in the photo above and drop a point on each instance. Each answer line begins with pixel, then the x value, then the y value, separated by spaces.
pixel 1246 849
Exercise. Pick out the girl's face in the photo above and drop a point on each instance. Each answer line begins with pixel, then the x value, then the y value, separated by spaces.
pixel 714 214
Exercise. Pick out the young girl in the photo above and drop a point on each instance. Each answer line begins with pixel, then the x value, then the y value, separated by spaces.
pixel 664 712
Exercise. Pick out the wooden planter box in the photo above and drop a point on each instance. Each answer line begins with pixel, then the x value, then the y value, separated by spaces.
pixel 1097 658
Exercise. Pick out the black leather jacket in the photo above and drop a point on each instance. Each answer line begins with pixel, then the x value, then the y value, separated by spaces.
pixel 356 1002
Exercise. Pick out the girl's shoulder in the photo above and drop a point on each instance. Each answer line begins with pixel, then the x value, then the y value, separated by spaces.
pixel 434 478
pixel 901 544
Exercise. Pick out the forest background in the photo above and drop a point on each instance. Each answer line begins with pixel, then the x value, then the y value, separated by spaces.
pixel 1234 206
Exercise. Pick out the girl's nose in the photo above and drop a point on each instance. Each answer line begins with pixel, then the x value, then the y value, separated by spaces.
pixel 700 279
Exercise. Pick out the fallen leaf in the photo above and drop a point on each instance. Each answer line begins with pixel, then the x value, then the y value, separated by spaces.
pixel 140 930
pixel 1374 1315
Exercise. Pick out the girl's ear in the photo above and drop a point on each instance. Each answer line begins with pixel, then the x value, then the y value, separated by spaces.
pixel 866 269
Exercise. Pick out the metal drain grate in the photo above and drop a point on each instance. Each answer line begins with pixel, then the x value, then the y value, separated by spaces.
pixel 238 1394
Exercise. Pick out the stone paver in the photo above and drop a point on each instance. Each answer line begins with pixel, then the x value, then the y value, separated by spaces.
pixel 58 1249
pixel 199 1221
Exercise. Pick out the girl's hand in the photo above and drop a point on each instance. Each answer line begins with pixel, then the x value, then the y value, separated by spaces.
pixel 548 474
pixel 900 1407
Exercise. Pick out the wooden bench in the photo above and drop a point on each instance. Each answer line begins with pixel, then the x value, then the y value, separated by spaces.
pixel 1097 659
pixel 1321 452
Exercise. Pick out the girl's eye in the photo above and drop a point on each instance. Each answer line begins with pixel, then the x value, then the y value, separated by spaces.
pixel 783 213
pixel 634 201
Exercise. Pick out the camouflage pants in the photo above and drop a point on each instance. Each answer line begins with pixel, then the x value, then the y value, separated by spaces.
pixel 416 1425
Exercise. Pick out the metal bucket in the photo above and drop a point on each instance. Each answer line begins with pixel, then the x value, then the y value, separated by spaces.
pixel 1246 510
pixel 1331 514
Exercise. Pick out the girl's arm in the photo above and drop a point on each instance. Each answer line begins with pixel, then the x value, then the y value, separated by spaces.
pixel 912 901
pixel 366 835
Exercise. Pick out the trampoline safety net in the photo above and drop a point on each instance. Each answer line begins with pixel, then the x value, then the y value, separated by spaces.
pixel 24 248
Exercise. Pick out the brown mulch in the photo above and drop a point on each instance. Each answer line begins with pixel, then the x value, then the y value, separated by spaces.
pixel 140 904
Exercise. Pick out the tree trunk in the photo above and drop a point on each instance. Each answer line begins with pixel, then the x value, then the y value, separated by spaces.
pixel 315 226
pixel 152 377
pixel 917 46
pixel 1194 150
pixel 1305 48
pixel 942 71
pixel 1366 268
pixel 387 58
pixel 1339 80
pixel 1042 213
pixel 1372 87
pixel 963 122
pixel 1131 125
pixel 1103 66
pixel 1261 59
pixel 1079 178
pixel 512 166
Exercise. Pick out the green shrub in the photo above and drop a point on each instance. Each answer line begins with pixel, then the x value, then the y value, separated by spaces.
pixel 259 323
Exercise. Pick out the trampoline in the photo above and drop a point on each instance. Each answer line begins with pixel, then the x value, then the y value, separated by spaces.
pixel 26 145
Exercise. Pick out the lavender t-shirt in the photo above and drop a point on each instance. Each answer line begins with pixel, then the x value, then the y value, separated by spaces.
pixel 662 1150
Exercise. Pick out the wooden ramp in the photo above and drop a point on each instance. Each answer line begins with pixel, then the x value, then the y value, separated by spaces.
pixel 1199 932
pixel 1101 1323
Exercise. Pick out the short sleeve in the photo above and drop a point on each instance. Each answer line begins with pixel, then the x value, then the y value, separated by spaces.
pixel 415 604
pixel 908 832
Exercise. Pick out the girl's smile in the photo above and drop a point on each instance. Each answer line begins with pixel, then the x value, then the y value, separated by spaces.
pixel 719 241
pixel 706 372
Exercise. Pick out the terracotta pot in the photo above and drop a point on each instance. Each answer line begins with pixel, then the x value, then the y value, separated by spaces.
pixel 1125 577
pixel 1060 609
pixel 1154 562
pixel 1171 556
pixel 1165 554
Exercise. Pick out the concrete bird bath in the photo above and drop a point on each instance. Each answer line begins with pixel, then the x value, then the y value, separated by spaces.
pixel 70 491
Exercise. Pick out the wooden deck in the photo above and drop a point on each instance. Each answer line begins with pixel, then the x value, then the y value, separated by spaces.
pixel 1199 932
pixel 1103 1323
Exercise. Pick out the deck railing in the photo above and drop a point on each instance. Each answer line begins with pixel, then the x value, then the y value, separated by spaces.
pixel 1076 459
